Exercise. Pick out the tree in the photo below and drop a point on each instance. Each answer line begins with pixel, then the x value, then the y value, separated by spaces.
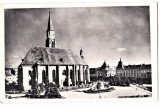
pixel 127 82
pixel 52 91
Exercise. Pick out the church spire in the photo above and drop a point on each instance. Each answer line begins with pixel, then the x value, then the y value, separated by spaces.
pixel 50 25
pixel 50 41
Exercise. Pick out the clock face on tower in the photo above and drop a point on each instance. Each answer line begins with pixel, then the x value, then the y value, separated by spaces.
pixel 51 34
pixel 50 42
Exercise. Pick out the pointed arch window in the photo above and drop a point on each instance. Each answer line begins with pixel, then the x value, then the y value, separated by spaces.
pixel 54 75
pixel 43 76
pixel 71 74
pixel 29 73
pixel 86 74
pixel 79 75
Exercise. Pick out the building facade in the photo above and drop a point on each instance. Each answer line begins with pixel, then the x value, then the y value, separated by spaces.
pixel 111 71
pixel 52 64
pixel 11 75
pixel 102 72
pixel 133 72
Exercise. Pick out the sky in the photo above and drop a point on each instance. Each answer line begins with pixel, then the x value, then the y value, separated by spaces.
pixel 104 33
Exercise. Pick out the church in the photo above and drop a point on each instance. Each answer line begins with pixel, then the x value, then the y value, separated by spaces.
pixel 52 64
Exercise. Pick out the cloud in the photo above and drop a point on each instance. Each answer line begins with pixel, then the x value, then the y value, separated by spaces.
pixel 121 49
pixel 15 56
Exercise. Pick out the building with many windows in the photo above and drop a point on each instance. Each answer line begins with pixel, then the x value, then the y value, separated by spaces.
pixel 140 72
pixel 111 71
pixel 101 73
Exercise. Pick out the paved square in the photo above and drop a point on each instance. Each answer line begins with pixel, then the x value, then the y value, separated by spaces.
pixel 119 91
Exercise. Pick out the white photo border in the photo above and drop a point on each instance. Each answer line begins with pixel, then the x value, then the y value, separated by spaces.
pixel 154 51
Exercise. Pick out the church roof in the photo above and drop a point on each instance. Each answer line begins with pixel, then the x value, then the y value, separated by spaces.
pixel 51 56
pixel 143 66
pixel 138 67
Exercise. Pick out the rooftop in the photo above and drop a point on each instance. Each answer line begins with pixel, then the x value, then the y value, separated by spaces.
pixel 140 66
pixel 52 56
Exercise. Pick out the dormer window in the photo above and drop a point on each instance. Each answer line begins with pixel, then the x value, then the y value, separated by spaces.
pixel 61 60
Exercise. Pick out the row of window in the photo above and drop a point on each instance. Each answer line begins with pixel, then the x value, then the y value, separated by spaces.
pixel 123 75
pixel 130 71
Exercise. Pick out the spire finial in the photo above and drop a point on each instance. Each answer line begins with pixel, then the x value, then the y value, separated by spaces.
pixel 49 11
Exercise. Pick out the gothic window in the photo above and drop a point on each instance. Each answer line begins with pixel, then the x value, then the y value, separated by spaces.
pixel 79 75
pixel 43 76
pixel 86 74
pixel 54 75
pixel 29 73
pixel 71 74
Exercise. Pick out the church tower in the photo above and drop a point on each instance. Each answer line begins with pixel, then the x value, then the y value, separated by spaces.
pixel 50 41
pixel 120 64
